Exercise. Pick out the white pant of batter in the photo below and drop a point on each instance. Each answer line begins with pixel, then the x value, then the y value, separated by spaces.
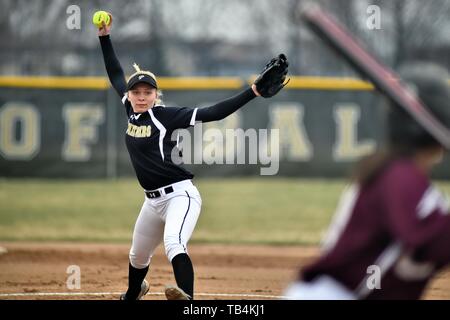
pixel 171 217
pixel 321 288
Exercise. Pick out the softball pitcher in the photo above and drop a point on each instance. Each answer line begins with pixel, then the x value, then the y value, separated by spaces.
pixel 172 203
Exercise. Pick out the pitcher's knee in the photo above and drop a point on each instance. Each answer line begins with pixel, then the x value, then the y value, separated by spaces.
pixel 139 261
pixel 173 247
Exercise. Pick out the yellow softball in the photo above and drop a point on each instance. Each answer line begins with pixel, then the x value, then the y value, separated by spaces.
pixel 99 17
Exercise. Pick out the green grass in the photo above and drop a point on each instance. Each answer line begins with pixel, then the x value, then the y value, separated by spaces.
pixel 276 211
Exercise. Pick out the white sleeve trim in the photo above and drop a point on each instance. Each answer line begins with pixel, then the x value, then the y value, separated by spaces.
pixel 162 131
pixel 194 114
pixel 341 217
pixel 431 200
pixel 124 98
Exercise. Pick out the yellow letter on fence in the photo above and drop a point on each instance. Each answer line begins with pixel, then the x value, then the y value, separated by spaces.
pixel 82 121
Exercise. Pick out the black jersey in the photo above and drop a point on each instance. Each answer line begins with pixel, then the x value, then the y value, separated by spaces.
pixel 149 143
pixel 148 135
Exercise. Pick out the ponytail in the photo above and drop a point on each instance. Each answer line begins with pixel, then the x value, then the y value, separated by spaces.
pixel 370 167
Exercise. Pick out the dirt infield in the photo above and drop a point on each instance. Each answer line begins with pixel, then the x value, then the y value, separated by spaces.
pixel 38 271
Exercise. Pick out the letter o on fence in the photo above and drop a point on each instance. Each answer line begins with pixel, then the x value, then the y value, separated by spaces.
pixel 19 131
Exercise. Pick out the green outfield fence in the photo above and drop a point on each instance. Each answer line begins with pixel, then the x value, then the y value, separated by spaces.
pixel 74 127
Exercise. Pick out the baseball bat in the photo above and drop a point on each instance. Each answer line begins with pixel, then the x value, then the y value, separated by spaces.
pixel 383 78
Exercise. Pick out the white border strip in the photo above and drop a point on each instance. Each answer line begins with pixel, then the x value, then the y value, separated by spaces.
pixel 194 115
pixel 162 131
pixel 77 294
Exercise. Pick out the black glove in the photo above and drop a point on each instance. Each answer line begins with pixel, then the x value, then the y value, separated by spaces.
pixel 272 78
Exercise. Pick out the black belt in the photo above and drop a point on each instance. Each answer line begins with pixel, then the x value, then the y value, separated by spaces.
pixel 157 194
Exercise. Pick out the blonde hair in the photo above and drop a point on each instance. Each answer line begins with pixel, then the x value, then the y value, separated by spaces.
pixel 159 93
pixel 158 101
pixel 139 71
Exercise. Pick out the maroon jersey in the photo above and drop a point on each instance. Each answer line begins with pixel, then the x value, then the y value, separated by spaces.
pixel 396 228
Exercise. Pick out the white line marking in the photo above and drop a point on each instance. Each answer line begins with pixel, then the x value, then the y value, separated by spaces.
pixel 74 294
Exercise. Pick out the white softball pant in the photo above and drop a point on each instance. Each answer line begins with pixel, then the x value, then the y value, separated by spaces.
pixel 171 217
